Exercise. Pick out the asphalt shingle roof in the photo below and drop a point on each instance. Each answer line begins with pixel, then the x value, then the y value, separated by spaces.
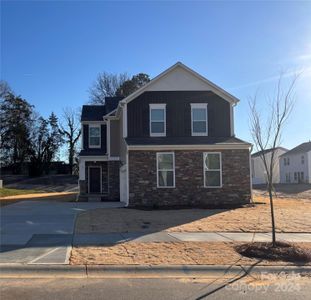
pixel 96 112
pixel 93 112
pixel 191 140
pixel 302 148
pixel 267 151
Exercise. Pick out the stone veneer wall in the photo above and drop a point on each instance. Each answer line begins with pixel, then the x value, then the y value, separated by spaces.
pixel 110 180
pixel 189 190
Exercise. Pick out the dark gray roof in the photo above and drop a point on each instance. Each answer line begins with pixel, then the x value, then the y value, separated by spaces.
pixel 93 112
pixel 91 152
pixel 267 151
pixel 191 140
pixel 302 148
pixel 96 112
pixel 112 103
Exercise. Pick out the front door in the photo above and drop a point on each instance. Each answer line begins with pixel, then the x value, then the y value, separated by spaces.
pixel 94 180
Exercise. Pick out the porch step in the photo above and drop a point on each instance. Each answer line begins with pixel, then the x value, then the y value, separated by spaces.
pixel 94 198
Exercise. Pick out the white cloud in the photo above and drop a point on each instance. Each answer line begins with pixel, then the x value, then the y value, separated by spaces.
pixel 304 72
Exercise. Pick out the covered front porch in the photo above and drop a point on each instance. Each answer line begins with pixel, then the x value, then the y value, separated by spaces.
pixel 99 179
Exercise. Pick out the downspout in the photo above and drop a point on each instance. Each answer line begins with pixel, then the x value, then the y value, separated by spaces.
pixel 250 172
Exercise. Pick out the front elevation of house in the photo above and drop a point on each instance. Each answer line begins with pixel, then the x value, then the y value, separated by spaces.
pixel 170 143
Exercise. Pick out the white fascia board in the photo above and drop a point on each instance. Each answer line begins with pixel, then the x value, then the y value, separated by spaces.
pixel 93 122
pixel 109 115
pixel 124 122
pixel 190 147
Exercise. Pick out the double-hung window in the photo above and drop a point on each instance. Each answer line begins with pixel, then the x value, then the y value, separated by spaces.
pixel 165 170
pixel 212 169
pixel 157 119
pixel 199 119
pixel 94 136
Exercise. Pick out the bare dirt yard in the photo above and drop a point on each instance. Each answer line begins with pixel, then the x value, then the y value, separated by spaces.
pixel 291 216
pixel 292 212
pixel 164 253
pixel 291 191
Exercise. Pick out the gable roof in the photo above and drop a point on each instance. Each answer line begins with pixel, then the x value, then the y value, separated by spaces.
pixel 259 153
pixel 208 84
pixel 302 148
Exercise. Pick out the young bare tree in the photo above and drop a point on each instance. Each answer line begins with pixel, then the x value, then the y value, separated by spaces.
pixel 70 130
pixel 106 85
pixel 267 132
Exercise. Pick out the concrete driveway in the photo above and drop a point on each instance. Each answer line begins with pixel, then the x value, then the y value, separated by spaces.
pixel 40 232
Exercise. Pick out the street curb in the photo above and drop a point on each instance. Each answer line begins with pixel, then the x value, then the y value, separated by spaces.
pixel 40 271
pixel 159 271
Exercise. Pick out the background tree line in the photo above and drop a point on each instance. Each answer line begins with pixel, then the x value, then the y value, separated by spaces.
pixel 27 137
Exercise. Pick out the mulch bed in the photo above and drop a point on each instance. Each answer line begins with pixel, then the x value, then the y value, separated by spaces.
pixel 282 251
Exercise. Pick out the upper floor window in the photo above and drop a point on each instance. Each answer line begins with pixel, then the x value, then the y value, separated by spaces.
pixel 286 161
pixel 165 170
pixel 157 119
pixel 212 169
pixel 199 119
pixel 94 136
pixel 302 159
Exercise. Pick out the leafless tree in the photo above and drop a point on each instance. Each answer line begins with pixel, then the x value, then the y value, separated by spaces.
pixel 71 131
pixel 4 89
pixel 267 132
pixel 106 85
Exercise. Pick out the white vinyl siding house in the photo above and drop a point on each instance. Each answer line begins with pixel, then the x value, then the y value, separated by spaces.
pixel 259 175
pixel 295 165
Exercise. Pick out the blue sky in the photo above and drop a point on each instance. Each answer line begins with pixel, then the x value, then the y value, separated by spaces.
pixel 52 51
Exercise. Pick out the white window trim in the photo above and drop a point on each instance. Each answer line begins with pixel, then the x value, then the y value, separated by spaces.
pixel 88 179
pixel 100 138
pixel 166 187
pixel 157 106
pixel 220 166
pixel 204 106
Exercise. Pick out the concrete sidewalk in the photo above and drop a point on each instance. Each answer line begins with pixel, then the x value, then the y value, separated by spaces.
pixel 163 236
pixel 56 248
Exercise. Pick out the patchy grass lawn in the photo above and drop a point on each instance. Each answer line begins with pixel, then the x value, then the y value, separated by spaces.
pixel 38 196
pixel 173 253
pixel 291 216
pixel 5 192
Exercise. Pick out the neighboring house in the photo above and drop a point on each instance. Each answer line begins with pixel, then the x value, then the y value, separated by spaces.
pixel 259 175
pixel 170 143
pixel 295 165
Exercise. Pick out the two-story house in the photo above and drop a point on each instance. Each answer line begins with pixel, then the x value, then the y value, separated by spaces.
pixel 170 143
pixel 295 165
pixel 259 175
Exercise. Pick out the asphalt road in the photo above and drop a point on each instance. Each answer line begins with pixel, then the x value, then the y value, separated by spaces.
pixel 149 289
